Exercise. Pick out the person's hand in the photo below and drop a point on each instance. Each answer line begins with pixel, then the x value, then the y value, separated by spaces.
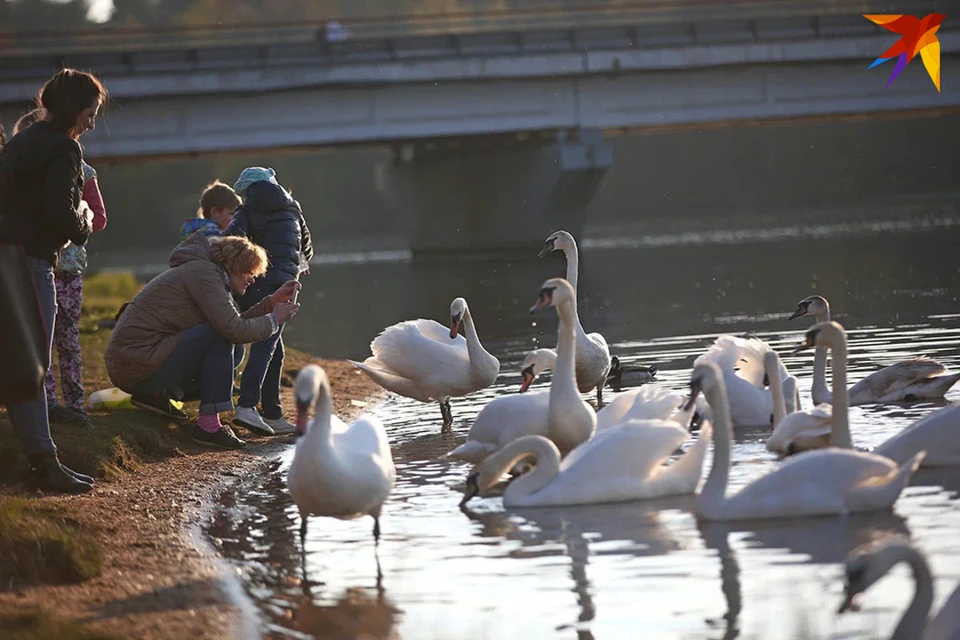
pixel 285 310
pixel 286 292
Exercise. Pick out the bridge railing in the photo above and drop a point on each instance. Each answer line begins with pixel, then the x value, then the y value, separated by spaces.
pixel 481 18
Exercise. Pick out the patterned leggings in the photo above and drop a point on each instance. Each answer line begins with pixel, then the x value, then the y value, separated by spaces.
pixel 66 338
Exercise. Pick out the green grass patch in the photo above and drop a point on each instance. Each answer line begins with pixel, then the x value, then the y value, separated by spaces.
pixel 37 625
pixel 38 545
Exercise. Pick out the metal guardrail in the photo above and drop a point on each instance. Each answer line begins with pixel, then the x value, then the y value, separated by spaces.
pixel 534 16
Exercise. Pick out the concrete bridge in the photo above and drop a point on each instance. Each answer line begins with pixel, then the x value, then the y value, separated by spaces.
pixel 497 125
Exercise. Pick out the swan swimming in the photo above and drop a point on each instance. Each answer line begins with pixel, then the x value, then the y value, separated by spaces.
pixel 593 354
pixel 903 381
pixel 936 433
pixel 798 430
pixel 868 563
pixel 423 360
pixel 832 481
pixel 338 470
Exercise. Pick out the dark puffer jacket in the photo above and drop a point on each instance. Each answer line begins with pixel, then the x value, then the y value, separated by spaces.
pixel 272 219
pixel 40 191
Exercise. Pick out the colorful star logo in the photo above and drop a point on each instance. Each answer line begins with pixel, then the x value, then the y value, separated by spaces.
pixel 917 36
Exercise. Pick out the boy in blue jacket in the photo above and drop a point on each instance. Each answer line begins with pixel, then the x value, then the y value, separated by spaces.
pixel 271 218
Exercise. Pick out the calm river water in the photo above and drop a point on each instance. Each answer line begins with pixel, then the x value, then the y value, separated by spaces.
pixel 629 570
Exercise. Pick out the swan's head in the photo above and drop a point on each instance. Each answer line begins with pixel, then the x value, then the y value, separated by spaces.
pixel 811 306
pixel 553 293
pixel 867 564
pixel 536 362
pixel 310 383
pixel 823 334
pixel 705 377
pixel 483 476
pixel 457 308
pixel 558 241
pixel 771 366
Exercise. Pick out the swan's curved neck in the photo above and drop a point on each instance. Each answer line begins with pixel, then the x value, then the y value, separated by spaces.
pixel 546 468
pixel 564 382
pixel 915 617
pixel 840 431
pixel 319 430
pixel 573 264
pixel 711 496
pixel 474 348
pixel 818 388
pixel 776 390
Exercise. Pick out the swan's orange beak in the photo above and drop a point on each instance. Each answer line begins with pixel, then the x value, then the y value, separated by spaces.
pixel 454 326
pixel 527 380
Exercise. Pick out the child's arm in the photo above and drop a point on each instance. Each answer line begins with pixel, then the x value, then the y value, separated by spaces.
pixel 306 244
pixel 91 193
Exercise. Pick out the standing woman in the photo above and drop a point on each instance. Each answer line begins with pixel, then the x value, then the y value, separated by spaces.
pixel 41 186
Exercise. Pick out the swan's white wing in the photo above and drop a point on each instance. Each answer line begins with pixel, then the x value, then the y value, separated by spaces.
pixel 809 483
pixel 408 352
pixel 745 355
pixel 433 330
pixel 632 448
pixel 893 378
pixel 643 403
pixel 938 433
pixel 812 423
pixel 503 419
pixel 750 406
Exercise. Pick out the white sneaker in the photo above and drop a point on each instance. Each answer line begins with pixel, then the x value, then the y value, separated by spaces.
pixel 280 425
pixel 248 418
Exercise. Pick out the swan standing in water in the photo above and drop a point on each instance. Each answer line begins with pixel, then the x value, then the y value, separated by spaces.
pixel 936 433
pixel 512 415
pixel 831 481
pixel 423 360
pixel 338 471
pixel 869 563
pixel 593 354
pixel 799 430
pixel 904 381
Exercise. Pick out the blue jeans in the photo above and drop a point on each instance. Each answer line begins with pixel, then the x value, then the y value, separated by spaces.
pixel 261 376
pixel 204 360
pixel 29 418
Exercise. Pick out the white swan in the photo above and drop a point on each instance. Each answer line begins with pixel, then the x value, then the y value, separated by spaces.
pixel 741 362
pixel 867 564
pixel 829 481
pixel 423 360
pixel 616 465
pixel 338 471
pixel 510 416
pixel 648 402
pixel 571 419
pixel 535 363
pixel 936 433
pixel 903 381
pixel 799 430
pixel 593 354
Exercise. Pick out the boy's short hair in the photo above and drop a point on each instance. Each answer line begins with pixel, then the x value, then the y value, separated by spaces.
pixel 217 195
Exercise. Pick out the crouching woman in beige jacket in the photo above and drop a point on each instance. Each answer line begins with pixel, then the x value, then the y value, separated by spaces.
pixel 179 332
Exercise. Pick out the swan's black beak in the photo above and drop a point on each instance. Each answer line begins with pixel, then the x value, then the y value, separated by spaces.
pixel 807 343
pixel 801 311
pixel 471 490
pixel 454 325
pixel 543 300
pixel 766 379
pixel 547 248
pixel 528 377
pixel 303 416
pixel 849 600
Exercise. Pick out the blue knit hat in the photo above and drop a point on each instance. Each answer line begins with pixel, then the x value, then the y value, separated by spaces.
pixel 253 174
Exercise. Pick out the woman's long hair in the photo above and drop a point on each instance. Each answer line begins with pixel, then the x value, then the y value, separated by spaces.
pixel 63 98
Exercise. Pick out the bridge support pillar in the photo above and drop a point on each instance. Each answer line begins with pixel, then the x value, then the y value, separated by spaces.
pixel 488 196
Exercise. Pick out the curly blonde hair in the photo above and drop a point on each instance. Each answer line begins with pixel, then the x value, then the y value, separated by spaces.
pixel 238 255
